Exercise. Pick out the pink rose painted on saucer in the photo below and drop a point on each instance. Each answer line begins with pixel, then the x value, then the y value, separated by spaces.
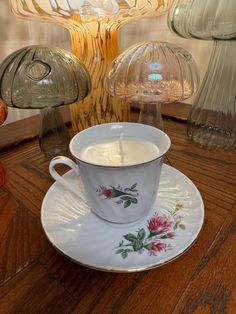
pixel 155 237
pixel 159 224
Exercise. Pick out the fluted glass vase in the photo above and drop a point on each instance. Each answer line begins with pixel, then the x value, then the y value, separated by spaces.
pixel 151 73
pixel 212 120
pixel 44 77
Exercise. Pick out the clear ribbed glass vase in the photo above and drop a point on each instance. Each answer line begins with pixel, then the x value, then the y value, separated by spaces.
pixel 212 120
pixel 152 73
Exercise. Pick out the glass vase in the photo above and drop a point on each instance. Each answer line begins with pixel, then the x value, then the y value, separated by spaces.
pixel 151 73
pixel 212 120
pixel 44 77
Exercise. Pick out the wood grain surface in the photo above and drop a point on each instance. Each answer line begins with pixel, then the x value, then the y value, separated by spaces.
pixel 35 278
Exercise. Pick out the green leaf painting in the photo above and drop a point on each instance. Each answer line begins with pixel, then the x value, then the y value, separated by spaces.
pixel 125 196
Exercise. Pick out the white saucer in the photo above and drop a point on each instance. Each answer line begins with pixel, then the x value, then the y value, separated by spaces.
pixel 164 234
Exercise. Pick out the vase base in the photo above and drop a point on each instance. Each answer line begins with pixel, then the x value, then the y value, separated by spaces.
pixel 55 151
pixel 211 137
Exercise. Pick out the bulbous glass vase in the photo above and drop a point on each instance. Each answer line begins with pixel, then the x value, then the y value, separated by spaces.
pixel 152 73
pixel 44 77
pixel 212 119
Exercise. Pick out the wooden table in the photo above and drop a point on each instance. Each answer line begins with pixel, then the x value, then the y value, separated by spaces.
pixel 35 278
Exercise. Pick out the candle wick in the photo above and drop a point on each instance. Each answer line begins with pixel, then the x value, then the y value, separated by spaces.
pixel 121 138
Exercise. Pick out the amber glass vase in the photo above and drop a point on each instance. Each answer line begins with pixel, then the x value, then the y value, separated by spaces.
pixel 94 27
pixel 212 120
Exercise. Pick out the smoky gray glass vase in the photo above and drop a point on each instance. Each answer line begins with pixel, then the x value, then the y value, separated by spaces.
pixel 45 78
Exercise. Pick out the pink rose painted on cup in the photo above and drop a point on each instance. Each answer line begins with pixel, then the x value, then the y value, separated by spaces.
pixel 126 196
pixel 107 193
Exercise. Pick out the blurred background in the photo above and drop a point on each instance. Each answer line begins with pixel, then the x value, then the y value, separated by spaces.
pixel 17 33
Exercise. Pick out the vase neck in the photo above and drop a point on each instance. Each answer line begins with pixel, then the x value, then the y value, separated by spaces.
pixel 97 41
pixel 218 85
pixel 150 114
pixel 211 121
pixel 223 49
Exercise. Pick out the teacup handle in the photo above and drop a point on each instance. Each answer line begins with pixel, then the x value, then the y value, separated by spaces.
pixel 70 163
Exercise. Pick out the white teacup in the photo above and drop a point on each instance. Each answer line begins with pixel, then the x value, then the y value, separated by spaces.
pixel 119 165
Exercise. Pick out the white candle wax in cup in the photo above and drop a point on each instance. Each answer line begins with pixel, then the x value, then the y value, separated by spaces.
pixel 121 139
pixel 118 151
